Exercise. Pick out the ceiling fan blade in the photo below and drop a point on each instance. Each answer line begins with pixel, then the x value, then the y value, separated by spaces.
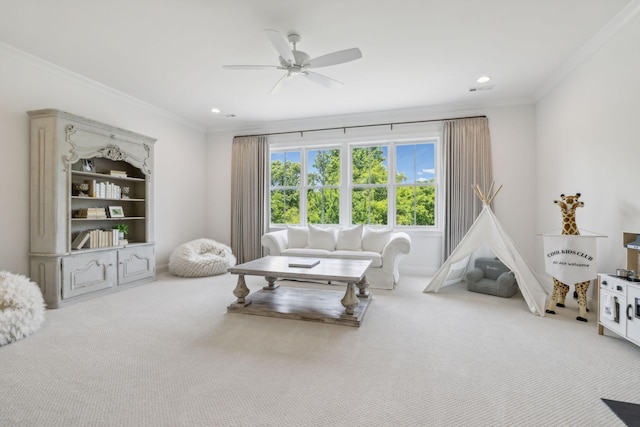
pixel 335 58
pixel 249 67
pixel 277 88
pixel 281 44
pixel 323 80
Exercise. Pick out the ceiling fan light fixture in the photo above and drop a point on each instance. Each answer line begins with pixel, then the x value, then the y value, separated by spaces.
pixel 215 110
pixel 483 79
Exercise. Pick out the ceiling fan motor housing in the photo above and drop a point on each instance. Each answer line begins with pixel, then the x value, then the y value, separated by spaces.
pixel 301 58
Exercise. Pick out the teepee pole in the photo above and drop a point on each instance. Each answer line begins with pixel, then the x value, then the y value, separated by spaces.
pixel 488 194
pixel 495 194
pixel 488 197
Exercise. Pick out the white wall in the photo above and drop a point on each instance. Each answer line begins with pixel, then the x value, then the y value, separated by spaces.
pixel 27 84
pixel 513 149
pixel 588 139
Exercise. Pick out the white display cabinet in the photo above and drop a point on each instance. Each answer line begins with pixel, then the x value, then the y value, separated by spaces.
pixel 87 177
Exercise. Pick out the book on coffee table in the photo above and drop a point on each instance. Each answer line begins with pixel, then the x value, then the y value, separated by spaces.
pixel 304 263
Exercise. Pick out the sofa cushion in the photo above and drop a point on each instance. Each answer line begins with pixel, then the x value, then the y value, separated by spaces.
pixel 350 239
pixel 375 239
pixel 297 236
pixel 375 257
pixel 321 238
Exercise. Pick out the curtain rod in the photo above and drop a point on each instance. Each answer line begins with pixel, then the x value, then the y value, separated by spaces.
pixel 344 128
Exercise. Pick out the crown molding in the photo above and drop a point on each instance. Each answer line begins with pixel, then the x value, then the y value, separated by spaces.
pixel 49 67
pixel 431 112
pixel 594 44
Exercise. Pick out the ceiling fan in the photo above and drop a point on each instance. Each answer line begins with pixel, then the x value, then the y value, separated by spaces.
pixel 298 63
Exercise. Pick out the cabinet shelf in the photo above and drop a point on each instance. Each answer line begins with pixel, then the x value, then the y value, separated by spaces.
pixel 104 198
pixel 125 218
pixel 105 176
pixel 109 248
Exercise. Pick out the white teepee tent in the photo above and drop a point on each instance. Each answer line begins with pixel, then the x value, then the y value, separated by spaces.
pixel 486 230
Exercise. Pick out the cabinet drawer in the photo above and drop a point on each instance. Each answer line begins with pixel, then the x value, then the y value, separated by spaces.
pixel 84 273
pixel 136 263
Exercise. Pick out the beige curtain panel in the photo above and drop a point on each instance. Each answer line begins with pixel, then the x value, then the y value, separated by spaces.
pixel 467 160
pixel 249 190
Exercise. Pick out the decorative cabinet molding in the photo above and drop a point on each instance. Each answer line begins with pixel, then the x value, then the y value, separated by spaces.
pixel 63 145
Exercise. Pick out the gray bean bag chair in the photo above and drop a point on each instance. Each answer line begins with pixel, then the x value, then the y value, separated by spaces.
pixel 201 258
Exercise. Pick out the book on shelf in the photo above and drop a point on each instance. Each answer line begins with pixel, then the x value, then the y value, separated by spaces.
pixel 92 213
pixel 304 263
pixel 80 240
pixel 98 239
pixel 118 173
pixel 103 189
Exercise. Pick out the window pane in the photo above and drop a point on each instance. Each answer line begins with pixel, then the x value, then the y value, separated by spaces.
pixel 285 206
pixel 323 167
pixel 415 163
pixel 323 206
pixel 369 206
pixel 415 205
pixel 285 169
pixel 369 165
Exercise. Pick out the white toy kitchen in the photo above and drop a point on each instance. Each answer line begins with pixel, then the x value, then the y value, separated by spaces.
pixel 619 295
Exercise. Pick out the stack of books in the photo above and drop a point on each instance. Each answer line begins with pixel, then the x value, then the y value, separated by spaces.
pixel 97 239
pixel 104 190
pixel 92 213
pixel 122 174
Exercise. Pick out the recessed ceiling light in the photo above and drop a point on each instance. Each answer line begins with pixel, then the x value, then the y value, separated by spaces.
pixel 483 79
pixel 215 110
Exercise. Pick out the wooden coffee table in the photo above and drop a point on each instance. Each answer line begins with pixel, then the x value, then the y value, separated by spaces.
pixel 318 305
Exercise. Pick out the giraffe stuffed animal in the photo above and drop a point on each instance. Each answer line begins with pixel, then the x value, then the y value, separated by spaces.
pixel 568 206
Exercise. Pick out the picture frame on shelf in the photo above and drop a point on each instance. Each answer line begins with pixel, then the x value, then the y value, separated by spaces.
pixel 88 166
pixel 116 212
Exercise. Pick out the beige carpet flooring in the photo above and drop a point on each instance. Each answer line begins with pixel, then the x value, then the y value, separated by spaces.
pixel 168 354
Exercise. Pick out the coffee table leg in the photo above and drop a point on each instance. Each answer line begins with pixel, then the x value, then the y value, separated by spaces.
pixel 362 286
pixel 271 286
pixel 350 300
pixel 241 289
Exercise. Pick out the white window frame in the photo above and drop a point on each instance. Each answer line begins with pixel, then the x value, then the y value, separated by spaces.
pixel 308 142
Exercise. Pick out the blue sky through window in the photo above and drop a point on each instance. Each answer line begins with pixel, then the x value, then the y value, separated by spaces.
pixel 291 156
pixel 416 162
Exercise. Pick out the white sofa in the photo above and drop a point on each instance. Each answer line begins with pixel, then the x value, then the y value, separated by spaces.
pixel 383 247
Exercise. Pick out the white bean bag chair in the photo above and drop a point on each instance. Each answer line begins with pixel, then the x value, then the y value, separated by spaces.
pixel 21 307
pixel 200 258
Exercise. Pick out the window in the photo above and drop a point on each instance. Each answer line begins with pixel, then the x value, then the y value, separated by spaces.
pixel 323 186
pixel 415 184
pixel 391 183
pixel 285 187
pixel 370 179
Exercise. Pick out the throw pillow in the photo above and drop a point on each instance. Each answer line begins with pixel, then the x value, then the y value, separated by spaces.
pixel 350 239
pixel 322 238
pixel 375 239
pixel 297 236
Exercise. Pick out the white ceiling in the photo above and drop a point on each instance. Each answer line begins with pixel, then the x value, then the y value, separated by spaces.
pixel 416 53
